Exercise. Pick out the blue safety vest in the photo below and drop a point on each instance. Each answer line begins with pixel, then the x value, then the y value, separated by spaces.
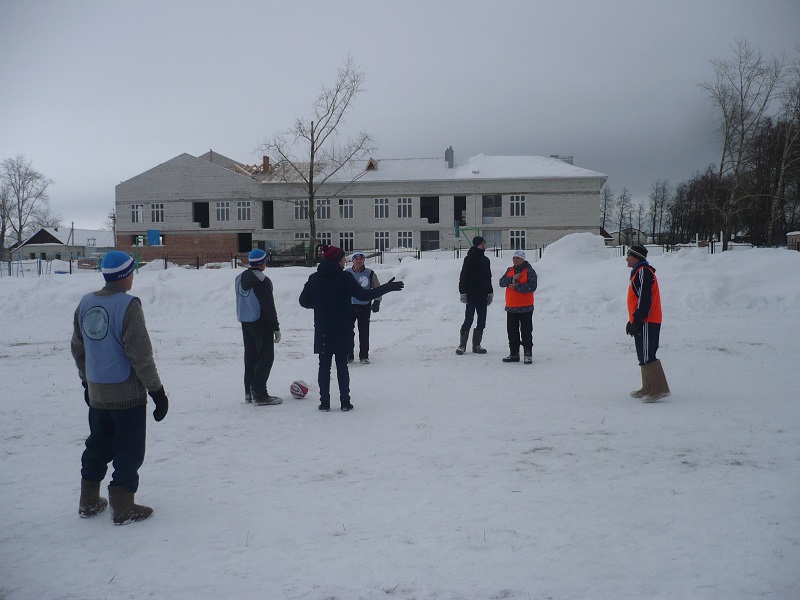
pixel 364 279
pixel 248 308
pixel 100 319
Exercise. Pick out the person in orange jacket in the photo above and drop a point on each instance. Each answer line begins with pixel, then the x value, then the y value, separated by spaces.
pixel 520 281
pixel 644 324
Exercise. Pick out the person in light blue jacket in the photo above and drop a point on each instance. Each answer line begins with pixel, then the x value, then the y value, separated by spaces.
pixel 367 279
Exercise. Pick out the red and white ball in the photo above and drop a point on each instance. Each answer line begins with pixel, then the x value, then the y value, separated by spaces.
pixel 298 389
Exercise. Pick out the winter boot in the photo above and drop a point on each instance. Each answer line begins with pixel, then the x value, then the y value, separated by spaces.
pixel 528 356
pixel 248 398
pixel 123 509
pixel 462 344
pixel 91 503
pixel 264 399
pixel 477 336
pixel 658 382
pixel 511 358
pixel 646 388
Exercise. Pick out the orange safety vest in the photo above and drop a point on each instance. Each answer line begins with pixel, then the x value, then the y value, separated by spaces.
pixel 655 304
pixel 513 297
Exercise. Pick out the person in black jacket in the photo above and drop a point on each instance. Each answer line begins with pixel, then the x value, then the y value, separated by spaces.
pixel 475 287
pixel 328 292
pixel 255 309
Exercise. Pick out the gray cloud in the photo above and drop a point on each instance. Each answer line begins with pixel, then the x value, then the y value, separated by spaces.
pixel 97 92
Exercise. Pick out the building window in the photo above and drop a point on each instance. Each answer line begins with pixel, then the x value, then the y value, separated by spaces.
pixel 301 210
pixel 429 240
pixel 494 238
pixel 346 208
pixel 492 208
pixel 405 239
pixel 517 206
pixel 223 211
pixel 137 213
pixel 324 238
pixel 91 242
pixel 346 240
pixel 429 208
pixel 323 209
pixel 243 212
pixel 381 208
pixel 301 235
pixel 381 240
pixel 404 208
pixel 516 238
pixel 157 213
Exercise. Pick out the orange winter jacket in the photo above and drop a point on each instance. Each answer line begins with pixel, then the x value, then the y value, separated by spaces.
pixel 515 299
pixel 644 298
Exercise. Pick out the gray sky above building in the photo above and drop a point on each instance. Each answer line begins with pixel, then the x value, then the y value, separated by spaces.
pixel 96 92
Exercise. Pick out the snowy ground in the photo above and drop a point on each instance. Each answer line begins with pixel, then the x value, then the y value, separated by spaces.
pixel 455 477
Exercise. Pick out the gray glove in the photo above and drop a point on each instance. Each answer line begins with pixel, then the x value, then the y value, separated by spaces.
pixel 463 298
pixel 277 336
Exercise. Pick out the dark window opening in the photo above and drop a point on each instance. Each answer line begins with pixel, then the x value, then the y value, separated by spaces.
pixel 245 242
pixel 429 208
pixel 492 208
pixel 460 210
pixel 200 214
pixel 429 240
pixel 267 215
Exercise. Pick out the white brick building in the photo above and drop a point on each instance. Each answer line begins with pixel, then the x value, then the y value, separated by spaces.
pixel 213 203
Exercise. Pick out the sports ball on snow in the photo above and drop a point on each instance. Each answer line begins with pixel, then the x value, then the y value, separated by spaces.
pixel 298 389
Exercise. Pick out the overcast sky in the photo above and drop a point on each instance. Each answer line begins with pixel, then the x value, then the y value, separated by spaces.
pixel 96 92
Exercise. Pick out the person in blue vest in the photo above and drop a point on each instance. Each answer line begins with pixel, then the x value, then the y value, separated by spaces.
pixel 328 292
pixel 255 310
pixel 114 356
pixel 368 280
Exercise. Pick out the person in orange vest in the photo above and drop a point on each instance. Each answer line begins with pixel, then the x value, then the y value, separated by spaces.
pixel 644 324
pixel 520 281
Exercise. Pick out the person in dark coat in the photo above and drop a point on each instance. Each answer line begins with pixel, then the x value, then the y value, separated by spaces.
pixel 475 287
pixel 255 310
pixel 328 292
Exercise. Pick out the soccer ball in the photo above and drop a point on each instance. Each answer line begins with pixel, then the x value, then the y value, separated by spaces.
pixel 298 389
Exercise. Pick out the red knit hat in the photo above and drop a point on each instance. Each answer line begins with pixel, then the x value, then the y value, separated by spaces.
pixel 332 253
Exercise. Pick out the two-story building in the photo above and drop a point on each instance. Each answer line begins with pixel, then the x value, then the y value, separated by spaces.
pixel 212 204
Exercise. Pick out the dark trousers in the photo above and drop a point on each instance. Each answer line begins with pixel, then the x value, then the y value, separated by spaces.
pixel 646 341
pixel 520 331
pixel 361 314
pixel 469 314
pixel 259 355
pixel 324 378
pixel 119 436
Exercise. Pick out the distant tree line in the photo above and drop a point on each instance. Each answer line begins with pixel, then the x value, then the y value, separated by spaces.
pixel 753 194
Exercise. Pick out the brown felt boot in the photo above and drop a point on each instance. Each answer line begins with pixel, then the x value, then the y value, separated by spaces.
pixel 91 503
pixel 658 382
pixel 646 387
pixel 123 509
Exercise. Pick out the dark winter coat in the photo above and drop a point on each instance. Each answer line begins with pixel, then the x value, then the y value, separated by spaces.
pixel 476 276
pixel 328 292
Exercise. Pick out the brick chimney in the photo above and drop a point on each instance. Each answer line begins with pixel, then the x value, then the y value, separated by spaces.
pixel 448 156
pixel 265 165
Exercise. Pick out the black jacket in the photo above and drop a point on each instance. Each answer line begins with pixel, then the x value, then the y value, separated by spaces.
pixel 476 276
pixel 328 292
pixel 257 280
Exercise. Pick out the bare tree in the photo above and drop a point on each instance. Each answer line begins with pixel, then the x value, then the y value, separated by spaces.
pixel 742 91
pixel 310 152
pixel 5 215
pixel 790 156
pixel 623 211
pixel 659 197
pixel 27 189
pixel 43 216
pixel 606 204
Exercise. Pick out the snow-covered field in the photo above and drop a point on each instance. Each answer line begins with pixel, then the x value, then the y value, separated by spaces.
pixel 455 477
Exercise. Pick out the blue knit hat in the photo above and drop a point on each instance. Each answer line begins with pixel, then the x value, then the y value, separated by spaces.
pixel 117 265
pixel 257 257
